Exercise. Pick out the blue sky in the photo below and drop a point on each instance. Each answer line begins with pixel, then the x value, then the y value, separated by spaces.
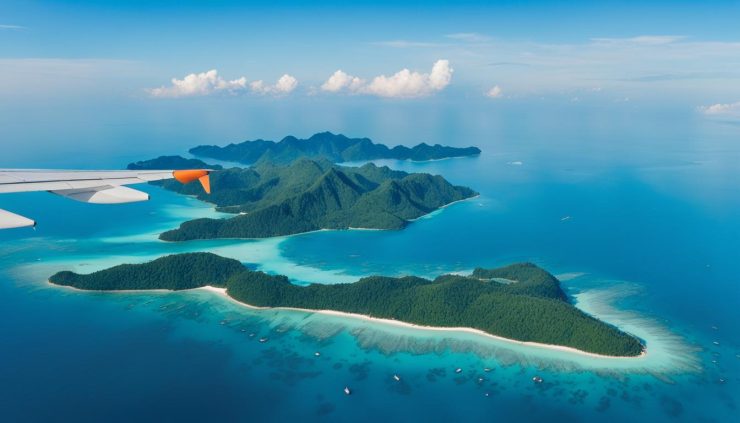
pixel 526 48
pixel 64 62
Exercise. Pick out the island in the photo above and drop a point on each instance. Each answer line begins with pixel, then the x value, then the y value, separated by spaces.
pixel 519 302
pixel 336 148
pixel 308 195
pixel 171 162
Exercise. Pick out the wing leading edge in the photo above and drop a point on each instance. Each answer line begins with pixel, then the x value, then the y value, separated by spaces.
pixel 98 187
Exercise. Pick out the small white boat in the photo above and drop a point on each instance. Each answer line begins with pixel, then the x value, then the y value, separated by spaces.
pixel 347 391
pixel 397 378
pixel 487 370
pixel 458 370
pixel 263 340
pixel 537 379
pixel 563 219
pixel 480 380
pixel 317 354
pixel 716 342
pixel 487 394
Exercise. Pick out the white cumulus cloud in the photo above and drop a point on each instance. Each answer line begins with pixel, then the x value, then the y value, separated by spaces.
pixel 199 84
pixel 402 84
pixel 341 80
pixel 495 92
pixel 284 85
pixel 731 109
pixel 210 82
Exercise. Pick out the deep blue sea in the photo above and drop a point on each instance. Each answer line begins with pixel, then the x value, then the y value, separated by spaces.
pixel 638 213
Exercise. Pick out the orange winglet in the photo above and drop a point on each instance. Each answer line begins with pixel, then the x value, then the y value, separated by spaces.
pixel 205 181
pixel 187 176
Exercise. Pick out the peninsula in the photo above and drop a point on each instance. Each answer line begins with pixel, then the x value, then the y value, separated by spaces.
pixel 336 148
pixel 520 302
pixel 308 195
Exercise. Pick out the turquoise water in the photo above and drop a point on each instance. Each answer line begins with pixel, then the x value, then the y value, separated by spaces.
pixel 639 218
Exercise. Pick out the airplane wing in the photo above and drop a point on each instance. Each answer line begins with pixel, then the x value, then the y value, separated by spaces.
pixel 99 187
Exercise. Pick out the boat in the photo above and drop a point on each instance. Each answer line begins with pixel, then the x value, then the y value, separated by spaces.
pixel 397 378
pixel 716 342
pixel 537 379
pixel 487 370
pixel 347 391
pixel 317 354
pixel 458 370
pixel 263 340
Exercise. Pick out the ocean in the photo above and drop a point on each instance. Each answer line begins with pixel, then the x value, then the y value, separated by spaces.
pixel 638 214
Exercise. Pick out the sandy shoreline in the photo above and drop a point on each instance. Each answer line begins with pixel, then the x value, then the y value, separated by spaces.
pixel 222 292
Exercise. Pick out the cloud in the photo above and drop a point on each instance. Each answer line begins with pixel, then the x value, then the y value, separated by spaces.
pixel 495 92
pixel 720 109
pixel 649 40
pixel 284 85
pixel 402 84
pixel 341 80
pixel 470 37
pixel 207 83
pixel 11 27
pixel 200 84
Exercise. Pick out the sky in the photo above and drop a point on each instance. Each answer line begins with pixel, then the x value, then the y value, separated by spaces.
pixel 67 65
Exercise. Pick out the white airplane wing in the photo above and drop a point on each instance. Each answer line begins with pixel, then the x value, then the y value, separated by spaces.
pixel 99 186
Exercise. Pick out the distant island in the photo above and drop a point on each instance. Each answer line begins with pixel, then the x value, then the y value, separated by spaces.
pixel 308 195
pixel 520 302
pixel 171 162
pixel 336 148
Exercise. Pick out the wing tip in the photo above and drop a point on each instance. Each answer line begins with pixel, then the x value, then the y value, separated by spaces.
pixel 189 175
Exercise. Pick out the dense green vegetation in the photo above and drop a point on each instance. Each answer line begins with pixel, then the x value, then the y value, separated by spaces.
pixel 309 195
pixel 336 148
pixel 181 271
pixel 532 307
pixel 171 162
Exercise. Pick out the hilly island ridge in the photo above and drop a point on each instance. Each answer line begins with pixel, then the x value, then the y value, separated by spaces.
pixel 336 148
pixel 307 195
pixel 529 307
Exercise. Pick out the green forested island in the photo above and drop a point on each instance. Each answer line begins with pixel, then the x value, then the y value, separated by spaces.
pixel 336 148
pixel 175 272
pixel 171 162
pixel 530 306
pixel 307 195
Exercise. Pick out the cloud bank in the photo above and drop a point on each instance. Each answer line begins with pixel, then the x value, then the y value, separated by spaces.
pixel 210 82
pixel 402 84
pixel 726 109
pixel 284 85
